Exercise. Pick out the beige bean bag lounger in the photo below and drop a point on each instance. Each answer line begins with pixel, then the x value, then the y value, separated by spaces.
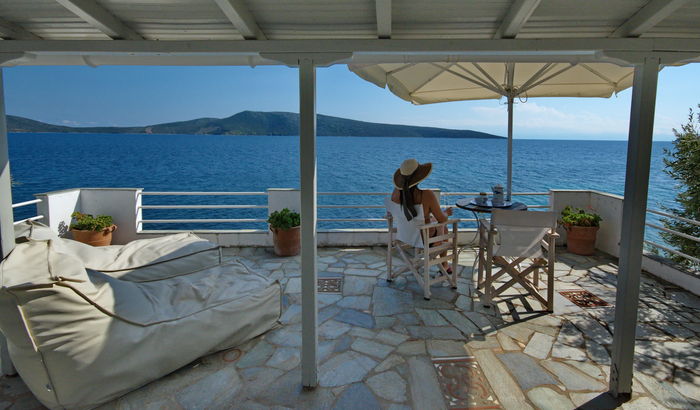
pixel 85 325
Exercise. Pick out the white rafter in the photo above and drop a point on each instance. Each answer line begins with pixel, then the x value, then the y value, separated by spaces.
pixel 383 18
pixel 515 19
pixel 647 17
pixel 100 18
pixel 10 30
pixel 239 15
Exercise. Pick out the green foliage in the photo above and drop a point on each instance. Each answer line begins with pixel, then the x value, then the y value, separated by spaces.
pixel 284 219
pixel 86 222
pixel 571 216
pixel 683 165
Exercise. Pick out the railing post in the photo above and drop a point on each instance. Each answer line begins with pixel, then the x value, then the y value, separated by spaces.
pixel 307 153
pixel 641 130
pixel 7 231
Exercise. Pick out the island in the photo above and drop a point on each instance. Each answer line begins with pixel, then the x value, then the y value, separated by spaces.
pixel 256 123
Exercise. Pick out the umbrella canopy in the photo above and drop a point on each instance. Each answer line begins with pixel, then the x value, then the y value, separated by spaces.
pixel 428 83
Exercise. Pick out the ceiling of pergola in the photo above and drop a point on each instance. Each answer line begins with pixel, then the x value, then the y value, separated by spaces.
pixel 54 22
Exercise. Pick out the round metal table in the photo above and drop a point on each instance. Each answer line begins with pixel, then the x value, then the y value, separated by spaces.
pixel 465 203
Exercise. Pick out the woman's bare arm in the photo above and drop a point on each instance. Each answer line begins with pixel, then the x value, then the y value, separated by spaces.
pixel 434 206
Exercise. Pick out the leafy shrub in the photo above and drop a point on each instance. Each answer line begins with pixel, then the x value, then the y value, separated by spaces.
pixel 571 216
pixel 683 165
pixel 86 222
pixel 284 219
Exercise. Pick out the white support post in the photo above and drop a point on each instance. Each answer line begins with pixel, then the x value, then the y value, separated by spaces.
pixel 509 171
pixel 633 216
pixel 7 232
pixel 307 153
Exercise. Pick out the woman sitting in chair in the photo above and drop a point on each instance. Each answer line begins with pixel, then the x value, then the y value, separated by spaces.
pixel 409 196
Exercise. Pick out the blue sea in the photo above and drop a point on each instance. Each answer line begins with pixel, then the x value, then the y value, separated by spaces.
pixel 46 162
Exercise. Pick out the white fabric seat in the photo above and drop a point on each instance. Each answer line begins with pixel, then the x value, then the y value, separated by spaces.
pixel 79 336
pixel 520 244
pixel 411 240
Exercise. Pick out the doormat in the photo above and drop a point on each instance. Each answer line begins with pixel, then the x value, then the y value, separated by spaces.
pixel 583 298
pixel 330 285
pixel 463 384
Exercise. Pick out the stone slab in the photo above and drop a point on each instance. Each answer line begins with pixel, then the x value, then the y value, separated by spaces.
pixel 444 348
pixel 354 394
pixel 502 383
pixel 389 386
pixel 539 346
pixel 561 351
pixel 545 398
pixel 390 337
pixel 388 301
pixel 460 322
pixel 425 389
pixel 572 378
pixel 345 368
pixel 371 348
pixel 507 343
pixel 431 317
pixel 527 372
pixel 355 318
pixel 355 302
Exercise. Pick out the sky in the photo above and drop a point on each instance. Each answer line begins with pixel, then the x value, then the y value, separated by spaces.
pixel 137 96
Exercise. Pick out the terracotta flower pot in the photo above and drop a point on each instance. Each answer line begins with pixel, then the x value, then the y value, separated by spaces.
pixel 95 238
pixel 287 241
pixel 581 239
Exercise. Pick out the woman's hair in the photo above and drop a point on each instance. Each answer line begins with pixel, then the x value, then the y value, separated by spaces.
pixel 407 204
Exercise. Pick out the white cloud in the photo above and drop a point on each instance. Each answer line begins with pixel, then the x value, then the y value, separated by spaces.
pixel 533 119
pixel 77 123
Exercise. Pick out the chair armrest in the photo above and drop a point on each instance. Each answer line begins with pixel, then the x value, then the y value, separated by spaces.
pixel 552 234
pixel 438 224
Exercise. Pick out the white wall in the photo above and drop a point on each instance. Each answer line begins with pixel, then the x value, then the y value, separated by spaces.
pixel 57 207
pixel 121 203
pixel 609 207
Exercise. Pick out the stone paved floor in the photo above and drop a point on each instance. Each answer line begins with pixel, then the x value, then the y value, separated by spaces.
pixel 383 346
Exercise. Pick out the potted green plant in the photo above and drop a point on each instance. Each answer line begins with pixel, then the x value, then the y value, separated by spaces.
pixel 581 230
pixel 92 230
pixel 286 236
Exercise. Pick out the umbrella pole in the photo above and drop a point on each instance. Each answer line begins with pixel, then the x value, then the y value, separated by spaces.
pixel 509 186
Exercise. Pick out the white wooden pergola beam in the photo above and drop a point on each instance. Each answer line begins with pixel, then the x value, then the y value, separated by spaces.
pixel 481 47
pixel 639 144
pixel 647 17
pixel 307 176
pixel 10 30
pixel 100 18
pixel 383 18
pixel 239 15
pixel 7 231
pixel 515 19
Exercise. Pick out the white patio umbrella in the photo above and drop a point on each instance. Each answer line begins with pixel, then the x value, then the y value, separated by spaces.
pixel 428 83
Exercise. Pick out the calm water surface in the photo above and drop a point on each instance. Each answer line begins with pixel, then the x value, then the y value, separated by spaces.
pixel 46 162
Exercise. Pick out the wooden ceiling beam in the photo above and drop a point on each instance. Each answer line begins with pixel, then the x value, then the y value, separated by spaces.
pixel 100 18
pixel 239 15
pixel 647 17
pixel 13 31
pixel 516 17
pixel 383 18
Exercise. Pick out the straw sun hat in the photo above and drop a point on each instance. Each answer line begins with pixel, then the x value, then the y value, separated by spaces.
pixel 412 173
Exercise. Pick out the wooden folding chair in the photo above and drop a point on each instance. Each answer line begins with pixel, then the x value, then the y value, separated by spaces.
pixel 418 251
pixel 520 244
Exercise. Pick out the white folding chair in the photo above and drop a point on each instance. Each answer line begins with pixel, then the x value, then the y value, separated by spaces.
pixel 418 251
pixel 520 244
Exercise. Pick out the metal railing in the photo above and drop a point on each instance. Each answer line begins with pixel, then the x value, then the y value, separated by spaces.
pixel 345 206
pixel 140 221
pixel 672 232
pixel 26 203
